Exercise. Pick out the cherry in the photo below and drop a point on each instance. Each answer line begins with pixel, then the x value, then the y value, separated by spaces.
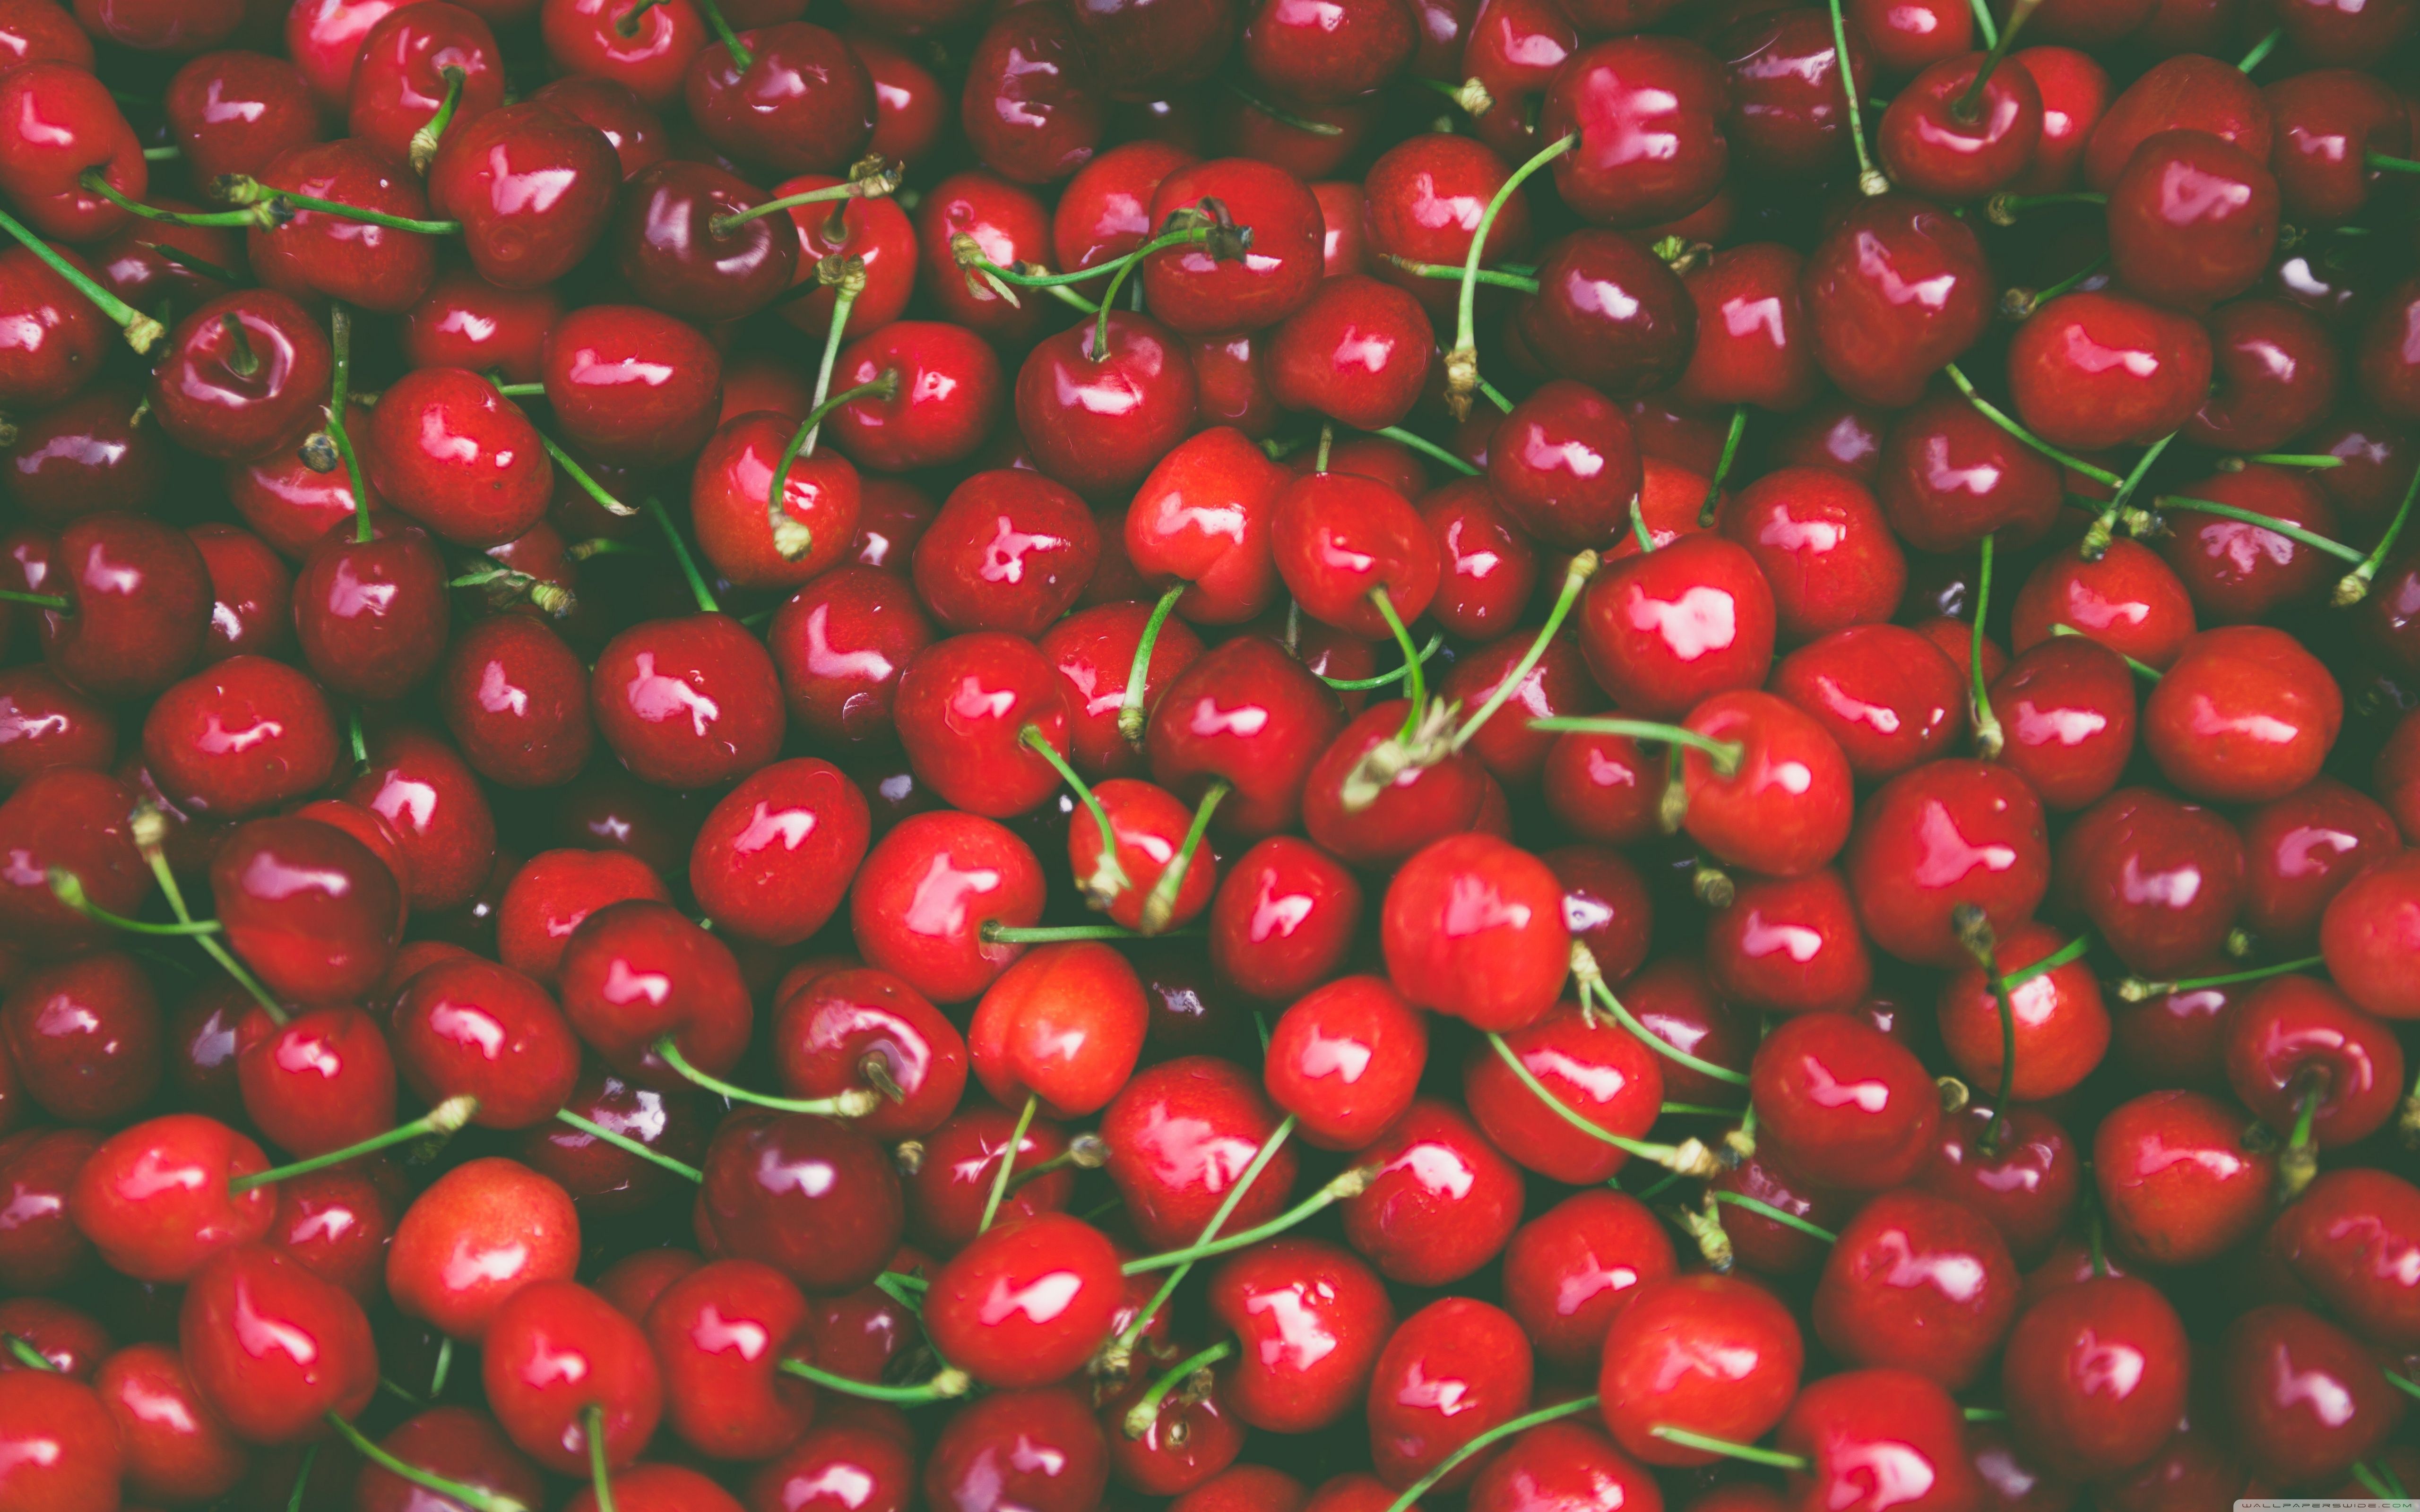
pixel 2067 707
pixel 1949 833
pixel 466 1025
pixel 1948 477
pixel 339 1221
pixel 1566 465
pixel 630 385
pixel 456 1443
pixel 2095 1373
pixel 486 171
pixel 1181 1135
pixel 920 902
pixel 2276 375
pixel 61 1337
pixel 2366 928
pixel 948 393
pixel 175 1448
pixel 856 1026
pixel 1283 917
pixel 2193 219
pixel 2187 91
pixel 2075 91
pixel 1918 1283
pixel 1611 1080
pixel 1889 697
pixel 2159 879
pixel 1963 127
pixel 638 978
pixel 1880 345
pixel 1787 946
pixel 403 77
pixel 719 1335
pixel 1194 292
pixel 1665 630
pixel 251 589
pixel 85 1036
pixel 61 1446
pixel 813 1197
pixel 553 892
pixel 468 459
pixel 136 608
pixel 1449 1373
pixel 2327 122
pixel 1427 199
pixel 1783 68
pixel 370 613
pixel 679 241
pixel 1095 650
pixel 84 455
pixel 951 1187
pixel 272 1346
pixel 40 1248
pixel 1034 106
pixel 1634 100
pixel 2343 1238
pixel 1064 1025
pixel 2176 1179
pixel 2129 601
pixel 828 1467
pixel 1473 927
pixel 1702 1353
pixel 68 125
pixel 561 1364
pixel 688 702
pixel 75 821
pixel 2025 1181
pixel 2275 1362
pixel 1823 545
pixel 2294 1041
pixel 1752 345
pixel 1203 516
pixel 2244 714
pixel 1876 1140
pixel 2091 370
pixel 1359 353
pixel 1250 715
pixel 1104 212
pixel 515 699
pixel 478 1235
pixel 1310 1320
pixel 1440 1200
pixel 1039 1448
pixel 321 254
pixel 2061 1030
pixel 587 42
pixel 308 908
pixel 56 346
pixel 1027 1301
pixel 1846 1427
pixel 31 35
pixel 1009 552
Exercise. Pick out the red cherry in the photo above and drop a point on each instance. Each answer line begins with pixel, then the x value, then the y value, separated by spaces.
pixel 635 974
pixel 312 910
pixel 1848 1424
pixel 2067 706
pixel 1449 1372
pixel 138 605
pixel 273 1347
pixel 1619 97
pixel 77 821
pixel 1564 464
pixel 2062 1030
pixel 674 247
pixel 2294 1041
pixel 478 1235
pixel 811 1197
pixel 1788 946
pixel 1203 516
pixel 84 1039
pixel 1664 631
pixel 1961 128
pixel 1611 1080
pixel 60 1445
pixel 769 863
pixel 40 1248
pixel 2191 219
pixel 952 1186
pixel 1876 1139
pixel 2027 1185
pixel 1041 1449
pixel 488 172
pixel 371 614
pixel 1888 697
pixel 469 1027
pixel 67 123
pixel 1010 550
pixel 251 589
pixel 1701 1353
pixel 837 1031
pixel 1473 927
pixel 176 1448
pixel 2364 935
pixel 604 1179
pixel 468 459
pixel 321 254
pixel 1754 343
pixel 1441 1201
pixel 2275 375
pixel 829 1467
pixel 1027 1303
pixel 1947 477
pixel 584 39
pixel 926 891
pixel 1947 833
pixel 630 385
pixel 2176 1180
pixel 459 1444
pixel 1063 1023
pixel 515 698
pixel 82 456
pixel 1310 1320
pixel 2129 601
pixel 320 1081
pixel 2095 1373
pixel 1249 715
pixel 1881 347
pixel 949 395
pixel 1194 292
pixel 559 1363
pixel 2244 714
pixel 401 79
pixel 553 892
pixel 1034 107
pixel 2273 1362
pixel 1099 403
pixel 2092 370
pixel 720 1334
pixel 2344 1238
pixel 1918 1283
pixel 1283 917
pixel 688 702
pixel 2160 879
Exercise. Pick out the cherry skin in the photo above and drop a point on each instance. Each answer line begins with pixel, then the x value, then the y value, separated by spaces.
pixel 557 1352
pixel 2092 370
pixel 2294 1040
pixel 2343 1238
pixel 1783 70
pixel 1785 946
pixel 1942 139
pixel 2173 1210
pixel 467 1026
pixel 486 175
pixel 637 972
pixel 2275 375
pixel 1359 353
pixel 1847 1425
pixel 1441 1202
pixel 84 1036
pixel 719 1333
pixel 1104 212
pixel 1647 112
pixel 2160 879
pixel 322 1081
pixel 1041 1449
pixel 1251 716
pixel 467 458
pixel 964 708
pixel 2365 931
pixel 370 615
pixel 1033 106
pixel 80 457
pixel 1823 545
pixel 2066 709
pixel 311 909
pixel 1664 631
pixel 77 820
pixel 460 1444
pixel 1009 552
pixel 1947 477
pixel 1425 197
pixel 1180 1136
pixel 1498 967
pixel 2244 715
pixel 829 1034
pixel 1878 1140
pixel 949 1191
pixel 272 1346
pixel 1570 1272
pixel 1753 344
pixel 58 345
pixel 1477 1347
pixel 1283 917
pixel 1027 1303
pixel 477 1235
pixel 671 247
pixel 1918 1283
pixel 630 385
pixel 1879 345
pixel 1310 1320
pixel 1704 1352
pixel 1099 404
pixel 876 232
pixel 399 79
pixel 688 702
pixel 2129 601
pixel 1193 292
pixel 928 886
pixel 1565 465
pixel 61 1445
pixel 1783 808
pixel 816 1199
pixel 320 255
pixel 2277 1429
pixel 948 393
pixel 138 607
pixel 731 487
pixel 515 699
pixel 1944 834
pixel 2193 219
pixel 1888 697
pixel 2062 1029
pixel 2326 123
pixel 2095 1373
pixel 1065 1024
pixel 175 1448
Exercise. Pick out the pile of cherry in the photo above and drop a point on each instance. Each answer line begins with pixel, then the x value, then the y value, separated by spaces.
pixel 1310 755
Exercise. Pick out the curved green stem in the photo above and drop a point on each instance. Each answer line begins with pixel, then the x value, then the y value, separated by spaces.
pixel 2292 532
pixel 49 601
pixel 1342 684
pixel 1482 1443
pixel 2140 668
pixel 1461 362
pixel 1870 179
pixel 422 150
pixel 1576 577
pixel 476 1498
pixel 2072 951
pixel 1428 449
pixel 28 1356
pixel 140 329
pixel 1160 906
pixel 704 595
pixel 945 1386
pixel 1105 886
pixel 1227 1206
pixel 1690 1157
pixel 1747 1452
pixel 599 1479
pixel 2136 990
pixel 874 186
pixel 340 385
pixel 2355 586
pixel 731 42
pixel 627 1145
pixel 1992 412
pixel 1655 1042
pixel 92 180
pixel 2021 303
pixel 1722 469
pixel 1414 680
pixel 1975 933
pixel 1130 703
pixel 581 478
pixel 1352 1183
pixel 1145 1411
pixel 854 1103
pixel 149 833
pixel 1724 754
pixel 68 888
pixel 1766 1209
pixel 1968 106
pixel 443 1121
pixel 1638 530
pixel 1008 1162
pixel 239 188
pixel 1281 117
pixel 792 538
pixel 1985 26
pixel 2289 460
pixel 1501 278
pixel 1989 740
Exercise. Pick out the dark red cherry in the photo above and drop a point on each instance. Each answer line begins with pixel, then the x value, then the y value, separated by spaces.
pixel 312 910
pixel 1310 1320
pixel 66 123
pixel 1569 1271
pixel 1035 107
pixel 688 702
pixel 1945 834
pixel 84 1039
pixel 2244 715
pixel 471 1026
pixel 272 1346
pixel 1876 1140
pixel 1648 111
pixel 459 1444
pixel 468 459
pixel 242 375
pixel 1887 696
pixel 720 1334
pixel 674 251
pixel 858 1027
pixel 1879 345
pixel 515 699
pixel 2094 1374
pixel 61 1444
pixel 770 862
pixel 629 385
pixel 85 456
pixel 251 589
pixel 1918 1283
pixel 1846 1427
pixel 138 604
pixel 1249 715
pixel 2025 1185
pixel 2130 601
pixel 2275 375
pixel 587 42
pixel 2093 370
pixel 2178 1179
pixel 1957 131
pixel 2327 121
pixel 636 973
pixel 1753 341
pixel 401 77
pixel 1564 464
pixel 813 1197
pixel 321 254
pixel 45 723
pixel 964 708
pixel 531 186
pixel 1824 547
pixel 2294 1040
pixel 2160 879
pixel 1193 291
pixel 175 1446
pixel 1783 70
pixel 2276 1366
pixel 802 103
pixel 370 615
pixel 2302 849
pixel 1326 55
pixel 2188 91
pixel 1948 477
pixel 950 1188
pixel 2193 219
pixel 2066 709
pixel 1042 1448
pixel 2345 1239
pixel 560 1362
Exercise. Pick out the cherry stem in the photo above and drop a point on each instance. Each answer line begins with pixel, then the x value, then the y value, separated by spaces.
pixel 2021 303
pixel 1130 705
pixel 1984 24
pixel 168 154
pixel 2380 1482
pixel 243 190
pixel 1109 879
pixel 2402 1383
pixel 589 485
pixel 1984 1414
pixel 907 1291
pixel 1085 1152
pixel 1724 754
pixel 1436 642
pixel 1471 94
pixel 2004 208
pixel 340 385
pixel 2136 990
pixel 141 330
pixel 1989 740
pixel 1870 179
pixel 2142 670
pixel 731 42
pixel 1638 530
pixel 854 1103
pixel 1145 1411
pixel 1747 1452
pixel 1414 680
pixel 1461 363
pixel 1969 106
pixel 1161 904
pixel 2280 459
pixel 200 265
pixel 627 1145
pixel 944 1386
pixel 1992 413
pixel 1428 449
pixel 148 829
pixel 1497 276
pixel 792 537
pixel 422 150
pixel 2355 586
pixel 881 180
pixel 473 1497
pixel 443 1368
pixel 592 1420
pixel 2267 522
pixel 1327 444
pixel 1280 117
pixel 1975 933
pixel 1722 469
pixel 1227 1206
pixel 1493 397
pixel 49 601
pixel 508 585
pixel 1690 1157
pixel 1694 1110
pixel 28 1356
pixel 92 180
pixel 1352 1183
pixel 2391 163
pixel 2071 951
pixel 1411 1494
pixel 522 391
pixel 442 1122
pixel 1186 226
pixel 706 602
pixel 1767 1211
pixel 2298 1164
pixel 1657 1042
pixel 997 932
pixel 628 22
pixel 2098 534
pixel 68 888
pixel 968 256
pixel 1576 577
pixel 1008 1162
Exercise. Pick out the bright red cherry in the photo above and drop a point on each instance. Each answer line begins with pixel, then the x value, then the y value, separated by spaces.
pixel 2094 1374
pixel 1027 1303
pixel 2244 714
pixel 1707 1354
pixel 2176 1179
pixel 560 1362
pixel 1310 1320
pixel 1452 1372
pixel 273 1347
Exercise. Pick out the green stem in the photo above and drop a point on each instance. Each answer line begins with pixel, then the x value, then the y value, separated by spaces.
pixel 1497 276
pixel 68 888
pixel 473 1497
pixel 1008 1162
pixel 1481 1443
pixel 2402 1384
pixel 1283 118
pixel 237 189
pixel 1747 1452
pixel 441 1121
pixel 28 1356
pixel 2072 951
pixel 162 154
pixel 593 1427
pixel 92 180
pixel 200 265
pixel 1694 1110
pixel 1766 1209
pixel 1461 362
pixel 1160 906
pixel 2136 989
pixel 587 485
pixel 1989 740
pixel 2293 459
pixel 522 391
pixel 1975 933
pixel 1722 469
pixel 340 387
pixel 706 602
pixel 148 827
pixel 996 932
pixel 1984 26
pixel 1436 642
pixel 1968 106
pixel 731 42
pixel 1689 1158
pixel 1724 754
pixel 1145 1411
pixel 1130 705
pixel 723 225
pixel 1112 879
pixel 1227 1206
pixel 2003 208
pixel 2372 1483
pixel 1575 577
pixel 1638 530
pixel 2021 303
pixel 1352 1183
pixel 49 601
pixel 1984 1414
pixel 2355 586
pixel 1414 680
pixel 2140 668
pixel 301 1477
pixel 1428 449
pixel 1870 179
pixel 854 1103
pixel 444 1368
pixel 627 1145
pixel 1327 444
pixel 2267 522
pixel 945 1386
pixel 422 151
pixel 141 330
pixel 1657 1042
pixel 1988 410
pixel 628 22
pixel 792 537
